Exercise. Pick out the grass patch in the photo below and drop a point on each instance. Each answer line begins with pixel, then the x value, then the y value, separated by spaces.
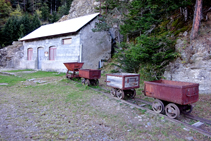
pixel 11 80
pixel 40 74
pixel 19 70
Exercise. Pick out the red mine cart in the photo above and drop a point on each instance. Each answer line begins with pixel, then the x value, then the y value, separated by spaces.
pixel 74 67
pixel 175 96
pixel 90 76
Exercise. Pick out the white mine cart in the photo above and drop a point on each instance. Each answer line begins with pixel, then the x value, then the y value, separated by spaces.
pixel 123 84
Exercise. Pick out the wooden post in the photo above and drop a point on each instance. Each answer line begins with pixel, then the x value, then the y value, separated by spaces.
pixel 196 20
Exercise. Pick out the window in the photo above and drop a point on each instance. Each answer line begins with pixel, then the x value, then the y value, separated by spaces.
pixel 66 41
pixel 52 53
pixel 29 53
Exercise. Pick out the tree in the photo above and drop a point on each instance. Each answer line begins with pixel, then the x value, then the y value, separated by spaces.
pixel 17 12
pixel 5 8
pixel 53 18
pixel 21 31
pixel 30 6
pixel 62 10
pixel 9 32
pixel 25 20
pixel 45 12
pixel 197 19
pixel 35 22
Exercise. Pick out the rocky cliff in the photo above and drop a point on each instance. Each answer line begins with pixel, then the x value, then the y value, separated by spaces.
pixel 194 63
pixel 10 56
pixel 81 8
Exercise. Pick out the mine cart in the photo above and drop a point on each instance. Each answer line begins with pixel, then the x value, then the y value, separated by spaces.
pixel 123 84
pixel 74 67
pixel 90 76
pixel 172 96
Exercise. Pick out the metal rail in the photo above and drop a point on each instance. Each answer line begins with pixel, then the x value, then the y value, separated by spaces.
pixel 198 118
pixel 206 133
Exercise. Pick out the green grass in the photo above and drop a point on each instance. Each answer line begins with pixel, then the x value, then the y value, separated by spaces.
pixel 40 74
pixel 19 70
pixel 11 80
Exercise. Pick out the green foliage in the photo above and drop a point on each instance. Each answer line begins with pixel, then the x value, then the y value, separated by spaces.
pixel 8 31
pixel 144 15
pixel 146 48
pixel 30 6
pixel 11 80
pixel 62 10
pixel 35 22
pixel 149 56
pixel 45 12
pixel 26 21
pixel 17 27
pixel 53 18
pixel 125 61
pixel 17 12
pixel 5 8
pixel 101 25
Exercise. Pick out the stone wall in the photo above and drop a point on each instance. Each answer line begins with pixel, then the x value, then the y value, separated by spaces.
pixel 10 56
pixel 64 53
pixel 86 46
pixel 96 46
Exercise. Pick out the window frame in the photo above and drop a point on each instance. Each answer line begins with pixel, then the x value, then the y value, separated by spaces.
pixel 52 53
pixel 29 54
pixel 63 41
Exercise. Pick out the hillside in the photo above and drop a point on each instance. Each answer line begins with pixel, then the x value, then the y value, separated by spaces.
pixel 193 61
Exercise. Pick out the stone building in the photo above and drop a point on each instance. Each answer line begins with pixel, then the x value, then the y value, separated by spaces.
pixel 49 46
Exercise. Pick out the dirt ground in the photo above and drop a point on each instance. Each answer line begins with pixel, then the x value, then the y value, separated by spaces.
pixel 54 108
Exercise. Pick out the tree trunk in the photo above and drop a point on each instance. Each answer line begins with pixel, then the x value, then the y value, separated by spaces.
pixel 197 19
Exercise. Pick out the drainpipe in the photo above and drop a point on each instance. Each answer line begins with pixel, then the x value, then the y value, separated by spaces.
pixel 80 52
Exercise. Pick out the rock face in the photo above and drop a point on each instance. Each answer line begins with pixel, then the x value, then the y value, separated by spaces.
pixel 81 8
pixel 10 56
pixel 194 64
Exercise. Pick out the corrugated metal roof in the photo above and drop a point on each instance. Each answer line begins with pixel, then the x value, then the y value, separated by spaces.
pixel 67 26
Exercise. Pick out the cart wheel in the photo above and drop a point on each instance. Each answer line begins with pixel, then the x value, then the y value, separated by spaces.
pixel 172 110
pixel 113 92
pixel 187 109
pixel 87 82
pixel 120 94
pixel 83 81
pixel 96 82
pixel 158 106
pixel 130 94
pixel 134 94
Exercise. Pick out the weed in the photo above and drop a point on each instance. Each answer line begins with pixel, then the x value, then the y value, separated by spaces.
pixel 191 122
pixel 142 111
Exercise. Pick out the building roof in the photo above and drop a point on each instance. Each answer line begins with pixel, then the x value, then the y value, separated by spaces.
pixel 68 26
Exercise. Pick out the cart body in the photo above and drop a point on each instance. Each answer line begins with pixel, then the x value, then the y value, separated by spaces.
pixel 182 93
pixel 123 81
pixel 90 73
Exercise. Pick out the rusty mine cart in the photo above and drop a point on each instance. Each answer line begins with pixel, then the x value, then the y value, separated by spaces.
pixel 89 76
pixel 172 97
